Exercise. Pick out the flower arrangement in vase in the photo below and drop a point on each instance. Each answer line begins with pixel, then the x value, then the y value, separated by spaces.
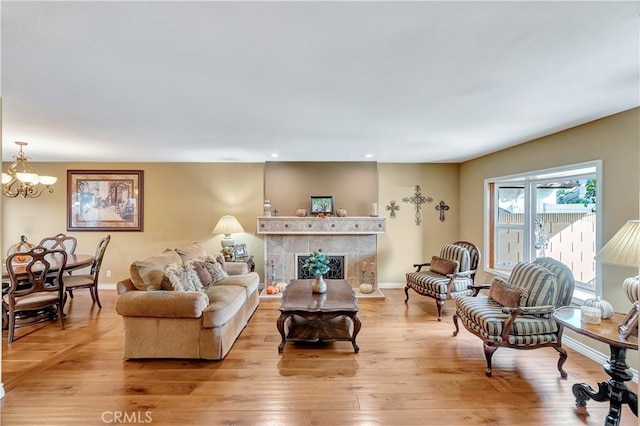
pixel 318 264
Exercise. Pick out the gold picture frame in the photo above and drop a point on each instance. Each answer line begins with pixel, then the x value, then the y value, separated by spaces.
pixel 105 200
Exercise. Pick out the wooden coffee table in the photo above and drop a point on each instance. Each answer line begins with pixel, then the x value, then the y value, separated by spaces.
pixel 311 317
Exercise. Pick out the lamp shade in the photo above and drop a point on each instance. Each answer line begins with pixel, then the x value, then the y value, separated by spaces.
pixel 228 225
pixel 624 248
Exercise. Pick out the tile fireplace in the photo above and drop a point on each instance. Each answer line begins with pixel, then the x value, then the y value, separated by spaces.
pixel 349 241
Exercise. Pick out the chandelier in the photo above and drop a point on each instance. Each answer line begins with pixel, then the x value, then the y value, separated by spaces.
pixel 21 181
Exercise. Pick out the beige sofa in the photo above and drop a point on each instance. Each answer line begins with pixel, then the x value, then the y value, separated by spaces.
pixel 160 323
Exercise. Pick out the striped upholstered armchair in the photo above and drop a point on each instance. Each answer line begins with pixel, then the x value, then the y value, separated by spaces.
pixel 449 275
pixel 517 313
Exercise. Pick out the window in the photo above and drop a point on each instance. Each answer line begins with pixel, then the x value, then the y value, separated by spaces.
pixel 551 213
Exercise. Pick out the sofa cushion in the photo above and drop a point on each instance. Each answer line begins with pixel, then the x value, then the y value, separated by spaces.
pixel 192 252
pixel 225 301
pixel 148 274
pixel 443 266
pixel 249 282
pixel 507 294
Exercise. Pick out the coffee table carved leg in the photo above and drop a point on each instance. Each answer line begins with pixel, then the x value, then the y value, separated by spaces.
pixel 280 324
pixel 356 329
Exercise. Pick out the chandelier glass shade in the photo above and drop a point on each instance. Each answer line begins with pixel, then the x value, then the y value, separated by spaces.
pixel 20 180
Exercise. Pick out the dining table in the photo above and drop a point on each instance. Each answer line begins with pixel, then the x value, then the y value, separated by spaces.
pixel 74 261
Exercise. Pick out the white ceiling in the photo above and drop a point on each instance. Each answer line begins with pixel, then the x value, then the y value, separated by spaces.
pixel 312 81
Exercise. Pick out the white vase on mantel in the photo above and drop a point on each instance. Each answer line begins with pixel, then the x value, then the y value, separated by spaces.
pixel 319 285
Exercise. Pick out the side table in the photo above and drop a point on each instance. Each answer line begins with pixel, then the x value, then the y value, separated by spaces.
pixel 615 389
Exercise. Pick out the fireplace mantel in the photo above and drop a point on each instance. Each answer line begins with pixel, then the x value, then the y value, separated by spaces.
pixel 355 225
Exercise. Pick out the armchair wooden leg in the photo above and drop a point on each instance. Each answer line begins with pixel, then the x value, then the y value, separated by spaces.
pixel 488 353
pixel 455 322
pixel 439 304
pixel 563 358
pixel 406 294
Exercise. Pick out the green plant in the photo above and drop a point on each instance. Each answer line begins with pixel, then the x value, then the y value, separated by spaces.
pixel 317 263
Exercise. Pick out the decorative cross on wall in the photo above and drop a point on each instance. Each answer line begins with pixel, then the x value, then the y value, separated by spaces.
pixel 393 208
pixel 442 207
pixel 417 200
pixel 275 212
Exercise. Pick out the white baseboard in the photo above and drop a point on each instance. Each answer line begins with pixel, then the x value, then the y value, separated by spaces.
pixel 391 285
pixel 107 286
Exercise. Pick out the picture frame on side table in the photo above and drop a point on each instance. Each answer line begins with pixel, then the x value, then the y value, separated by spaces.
pixel 240 251
pixel 321 204
pixel 629 325
pixel 105 200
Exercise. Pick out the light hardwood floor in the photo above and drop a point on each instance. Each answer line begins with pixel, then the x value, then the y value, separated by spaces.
pixel 410 371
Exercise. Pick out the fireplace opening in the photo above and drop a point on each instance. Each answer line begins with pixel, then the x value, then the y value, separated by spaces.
pixel 336 267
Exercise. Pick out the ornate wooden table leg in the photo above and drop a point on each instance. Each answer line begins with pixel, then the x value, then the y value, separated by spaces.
pixel 280 324
pixel 356 329
pixel 614 390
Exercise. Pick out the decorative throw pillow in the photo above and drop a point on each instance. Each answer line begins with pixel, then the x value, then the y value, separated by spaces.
pixel 177 276
pixel 444 266
pixel 506 294
pixel 214 267
pixel 198 274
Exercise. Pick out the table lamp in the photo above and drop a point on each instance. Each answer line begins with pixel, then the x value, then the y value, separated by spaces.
pixel 624 250
pixel 227 225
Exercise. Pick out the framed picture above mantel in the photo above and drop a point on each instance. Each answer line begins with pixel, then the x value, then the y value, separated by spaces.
pixel 105 200
pixel 321 204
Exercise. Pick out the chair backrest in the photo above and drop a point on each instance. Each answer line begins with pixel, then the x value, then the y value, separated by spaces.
pixel 539 283
pixel 474 253
pixel 37 270
pixel 466 253
pixel 564 276
pixel 60 241
pixel 100 250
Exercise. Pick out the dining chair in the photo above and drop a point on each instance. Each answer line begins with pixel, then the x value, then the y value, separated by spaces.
pixel 32 294
pixel 90 280
pixel 60 241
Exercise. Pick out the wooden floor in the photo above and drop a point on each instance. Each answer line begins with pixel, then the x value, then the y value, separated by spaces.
pixel 410 371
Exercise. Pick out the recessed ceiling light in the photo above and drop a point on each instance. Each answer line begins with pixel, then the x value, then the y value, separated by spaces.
pixel 368 155
pixel 274 155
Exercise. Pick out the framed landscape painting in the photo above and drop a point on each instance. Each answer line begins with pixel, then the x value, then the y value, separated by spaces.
pixel 104 200
pixel 321 204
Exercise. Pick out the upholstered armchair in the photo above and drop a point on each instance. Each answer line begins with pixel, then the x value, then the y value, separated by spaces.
pixel 517 313
pixel 449 275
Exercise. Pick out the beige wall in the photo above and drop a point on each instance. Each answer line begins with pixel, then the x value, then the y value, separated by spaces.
pixel 354 186
pixel 405 243
pixel 182 204
pixel 614 139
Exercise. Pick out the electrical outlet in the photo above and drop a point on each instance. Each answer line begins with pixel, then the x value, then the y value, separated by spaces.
pixel 108 274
